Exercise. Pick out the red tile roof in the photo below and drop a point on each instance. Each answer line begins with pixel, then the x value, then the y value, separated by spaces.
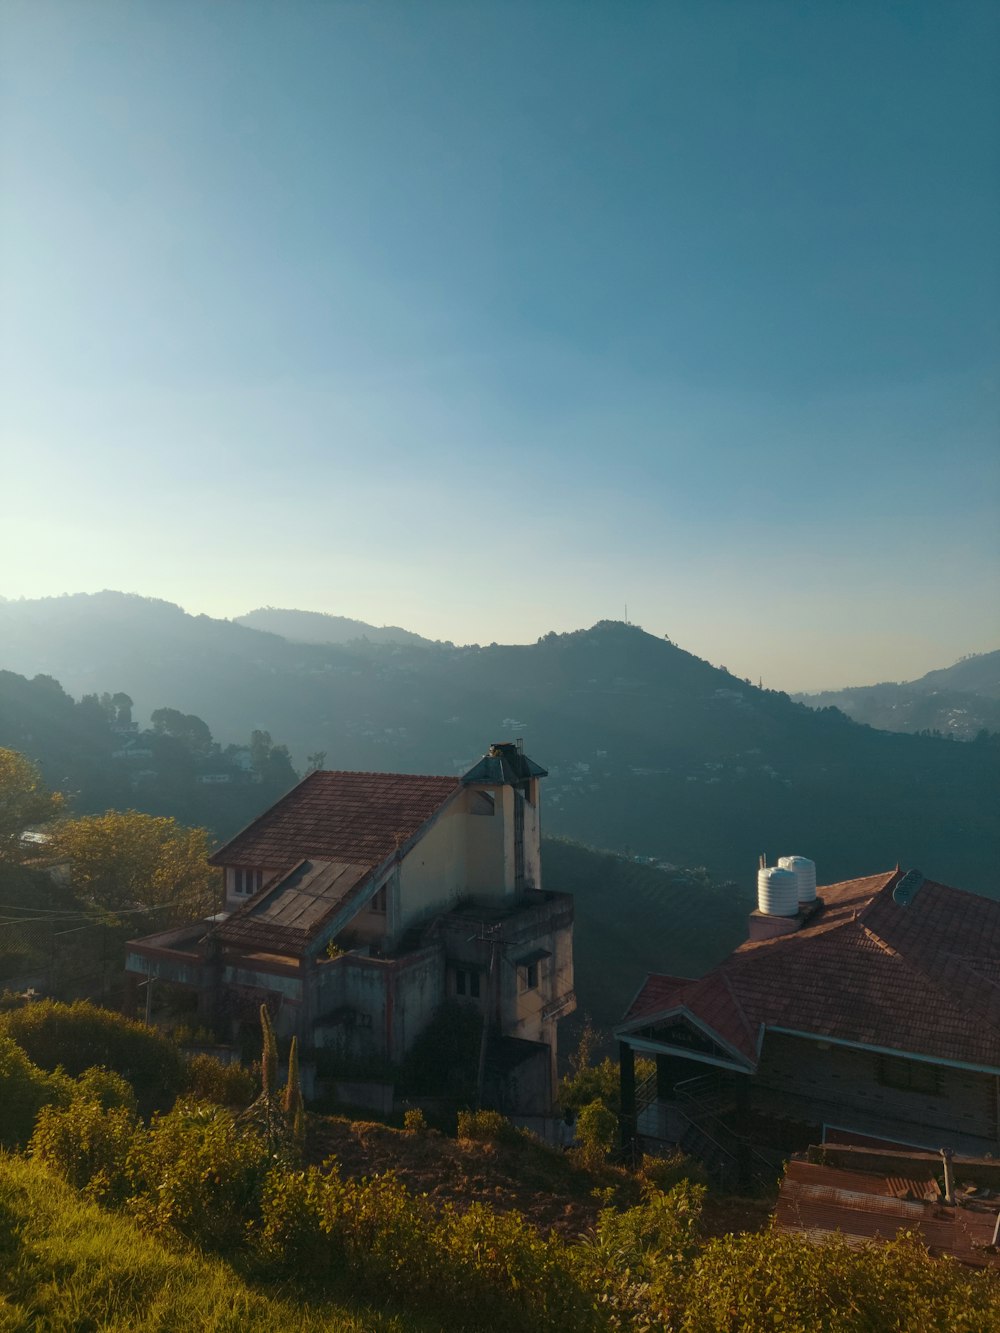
pixel 921 978
pixel 356 818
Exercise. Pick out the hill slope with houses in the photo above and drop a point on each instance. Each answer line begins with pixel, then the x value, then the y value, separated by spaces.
pixel 650 750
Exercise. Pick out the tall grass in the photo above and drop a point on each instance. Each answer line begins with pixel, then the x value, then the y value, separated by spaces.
pixel 66 1264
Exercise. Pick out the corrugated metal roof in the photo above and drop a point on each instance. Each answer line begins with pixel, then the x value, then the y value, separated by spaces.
pixel 820 1201
pixel 291 911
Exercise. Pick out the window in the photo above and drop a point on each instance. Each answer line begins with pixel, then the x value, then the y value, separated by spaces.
pixel 380 899
pixel 467 982
pixel 909 1075
pixel 246 882
pixel 528 969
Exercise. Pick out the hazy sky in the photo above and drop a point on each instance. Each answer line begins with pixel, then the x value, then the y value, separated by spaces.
pixel 484 318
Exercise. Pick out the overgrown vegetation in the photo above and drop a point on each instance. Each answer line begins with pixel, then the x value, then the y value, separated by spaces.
pixel 206 1181
pixel 79 1036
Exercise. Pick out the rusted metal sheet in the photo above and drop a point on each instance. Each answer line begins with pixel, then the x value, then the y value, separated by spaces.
pixel 821 1201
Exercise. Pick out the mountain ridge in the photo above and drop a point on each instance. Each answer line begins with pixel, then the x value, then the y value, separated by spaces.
pixel 960 700
pixel 648 747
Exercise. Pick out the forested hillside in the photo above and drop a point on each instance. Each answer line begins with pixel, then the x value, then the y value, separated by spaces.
pixel 648 747
pixel 960 701
pixel 94 752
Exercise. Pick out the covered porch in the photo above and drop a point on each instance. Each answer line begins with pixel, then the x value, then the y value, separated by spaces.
pixel 696 1098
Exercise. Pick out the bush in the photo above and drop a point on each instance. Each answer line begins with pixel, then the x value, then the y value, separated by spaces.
pixel 66 1265
pixel 89 1145
pixel 487 1127
pixel 783 1284
pixel 198 1172
pixel 469 1269
pixel 414 1121
pixel 24 1091
pixel 636 1262
pixel 80 1035
pixel 228 1085
pixel 666 1172
pixel 597 1130
pixel 106 1088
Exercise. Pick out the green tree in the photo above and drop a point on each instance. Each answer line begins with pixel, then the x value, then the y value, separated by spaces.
pixel 184 727
pixel 124 859
pixel 271 763
pixel 24 800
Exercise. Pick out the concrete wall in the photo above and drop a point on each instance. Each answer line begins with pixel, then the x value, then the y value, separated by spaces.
pixel 432 874
pixel 843 1078
pixel 484 845
pixel 386 1003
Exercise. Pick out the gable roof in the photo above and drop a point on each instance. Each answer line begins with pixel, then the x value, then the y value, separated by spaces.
pixel 354 818
pixel 921 978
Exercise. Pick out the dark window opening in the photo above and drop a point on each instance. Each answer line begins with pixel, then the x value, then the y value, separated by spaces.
pixel 467 982
pixel 380 900
pixel 529 976
pixel 246 882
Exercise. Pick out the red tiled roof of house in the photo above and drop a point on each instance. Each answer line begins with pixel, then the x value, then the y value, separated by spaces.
pixel 920 978
pixel 356 818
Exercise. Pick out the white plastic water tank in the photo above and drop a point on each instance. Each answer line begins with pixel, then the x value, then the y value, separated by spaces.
pixel 804 871
pixel 777 891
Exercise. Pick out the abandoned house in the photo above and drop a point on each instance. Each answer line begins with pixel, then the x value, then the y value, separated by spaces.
pixel 866 1012
pixel 360 902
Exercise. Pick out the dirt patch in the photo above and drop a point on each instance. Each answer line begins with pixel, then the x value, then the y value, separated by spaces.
pixel 527 1177
pixel 545 1185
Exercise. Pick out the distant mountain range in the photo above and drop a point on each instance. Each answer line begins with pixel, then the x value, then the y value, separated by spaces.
pixel 648 748
pixel 959 700
pixel 318 627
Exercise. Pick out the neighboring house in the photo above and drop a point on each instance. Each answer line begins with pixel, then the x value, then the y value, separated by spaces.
pixel 361 901
pixel 871 1013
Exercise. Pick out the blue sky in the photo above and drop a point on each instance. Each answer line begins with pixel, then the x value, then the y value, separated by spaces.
pixel 484 318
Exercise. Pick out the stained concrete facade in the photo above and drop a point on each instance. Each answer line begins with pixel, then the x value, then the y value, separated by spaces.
pixel 455 911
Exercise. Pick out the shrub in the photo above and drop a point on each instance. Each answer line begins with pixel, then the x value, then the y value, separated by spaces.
pixel 89 1145
pixel 782 1283
pixel 212 1081
pixel 666 1172
pixel 106 1088
pixel 636 1262
pixel 487 1127
pixel 197 1172
pixel 66 1265
pixel 24 1090
pixel 597 1130
pixel 414 1121
pixel 469 1269
pixel 80 1035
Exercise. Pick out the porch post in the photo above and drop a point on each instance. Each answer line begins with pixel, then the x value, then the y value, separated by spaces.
pixel 626 1071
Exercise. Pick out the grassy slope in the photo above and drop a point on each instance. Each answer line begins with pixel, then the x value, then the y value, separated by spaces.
pixel 65 1264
